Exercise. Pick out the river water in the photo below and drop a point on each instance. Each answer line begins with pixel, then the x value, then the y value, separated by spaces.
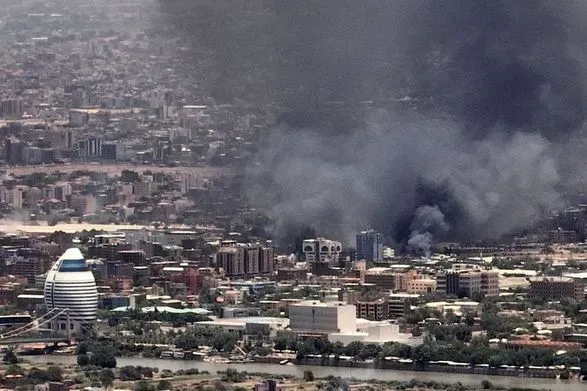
pixel 319 371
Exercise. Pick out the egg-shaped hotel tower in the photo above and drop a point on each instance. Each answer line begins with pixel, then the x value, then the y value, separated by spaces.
pixel 71 285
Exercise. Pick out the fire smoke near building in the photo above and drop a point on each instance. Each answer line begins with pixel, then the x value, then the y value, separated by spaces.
pixel 474 121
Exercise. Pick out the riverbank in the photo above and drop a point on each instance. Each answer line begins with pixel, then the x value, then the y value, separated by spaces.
pixel 343 372
pixel 394 363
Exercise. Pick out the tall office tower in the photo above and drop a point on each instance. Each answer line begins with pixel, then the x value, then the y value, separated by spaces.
pixel 71 285
pixel 370 246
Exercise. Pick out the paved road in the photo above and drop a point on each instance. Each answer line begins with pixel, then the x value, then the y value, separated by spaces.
pixel 116 169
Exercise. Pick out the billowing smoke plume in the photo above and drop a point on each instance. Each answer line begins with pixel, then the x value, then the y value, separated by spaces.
pixel 409 175
pixel 477 103
pixel 428 220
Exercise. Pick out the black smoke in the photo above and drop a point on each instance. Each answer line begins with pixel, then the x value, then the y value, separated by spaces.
pixel 393 111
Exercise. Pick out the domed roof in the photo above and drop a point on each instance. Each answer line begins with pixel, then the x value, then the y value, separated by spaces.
pixel 72 260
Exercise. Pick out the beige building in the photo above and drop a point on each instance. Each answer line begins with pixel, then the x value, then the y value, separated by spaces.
pixel 421 286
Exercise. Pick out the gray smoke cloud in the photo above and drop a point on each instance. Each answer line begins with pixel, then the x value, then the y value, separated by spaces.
pixel 373 177
pixel 428 221
pixel 487 139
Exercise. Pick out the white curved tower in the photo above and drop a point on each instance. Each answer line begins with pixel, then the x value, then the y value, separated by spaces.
pixel 71 285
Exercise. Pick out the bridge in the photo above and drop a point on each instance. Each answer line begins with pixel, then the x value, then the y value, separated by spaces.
pixel 34 332
pixel 40 339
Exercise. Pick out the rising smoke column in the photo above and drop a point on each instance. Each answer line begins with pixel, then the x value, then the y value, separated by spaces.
pixel 503 87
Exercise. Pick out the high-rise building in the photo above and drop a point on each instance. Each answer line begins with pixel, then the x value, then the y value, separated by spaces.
pixel 238 259
pixel 370 245
pixel 11 108
pixel 71 285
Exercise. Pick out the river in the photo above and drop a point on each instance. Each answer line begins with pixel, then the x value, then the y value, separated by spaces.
pixel 319 371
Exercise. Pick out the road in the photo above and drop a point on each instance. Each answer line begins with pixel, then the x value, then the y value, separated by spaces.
pixel 116 169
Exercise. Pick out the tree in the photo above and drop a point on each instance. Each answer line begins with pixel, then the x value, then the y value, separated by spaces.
pixel 186 342
pixel 305 348
pixel 14 370
pixel 469 319
pixel 82 348
pixel 37 376
pixel 164 385
pixel 55 373
pixel 308 376
pixel 103 357
pixel 83 360
pixel 224 341
pixel 368 351
pixel 146 372
pixel 107 377
pixel 395 349
pixel 10 357
pixel 353 348
pixel 233 376
pixel 129 373
pixel 280 343
pixel 142 385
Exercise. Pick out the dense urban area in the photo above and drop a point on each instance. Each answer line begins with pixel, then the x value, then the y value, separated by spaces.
pixel 131 256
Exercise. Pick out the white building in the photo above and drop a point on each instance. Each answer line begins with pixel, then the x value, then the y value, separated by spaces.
pixel 321 250
pixel 318 317
pixel 375 332
pixel 71 285
pixel 339 323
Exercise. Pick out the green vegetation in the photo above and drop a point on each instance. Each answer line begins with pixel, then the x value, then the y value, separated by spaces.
pixel 10 357
pixel 95 354
pixel 107 377
pixel 156 316
pixel 477 352
pixel 231 375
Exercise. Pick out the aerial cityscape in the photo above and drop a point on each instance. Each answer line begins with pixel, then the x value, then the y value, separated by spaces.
pixel 281 195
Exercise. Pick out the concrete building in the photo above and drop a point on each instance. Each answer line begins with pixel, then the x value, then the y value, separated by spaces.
pixel 398 304
pixel 312 317
pixel 250 327
pixel 372 310
pixel 374 332
pixel 421 286
pixel 466 283
pixel 338 323
pixel 321 250
pixel 369 245
pixel 556 288
pixel 70 285
pixel 231 261
pixel 238 259
pixel 383 278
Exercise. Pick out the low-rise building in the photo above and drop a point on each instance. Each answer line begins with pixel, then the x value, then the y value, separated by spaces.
pixel 322 318
pixel 468 282
pixel 421 286
pixel 372 310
